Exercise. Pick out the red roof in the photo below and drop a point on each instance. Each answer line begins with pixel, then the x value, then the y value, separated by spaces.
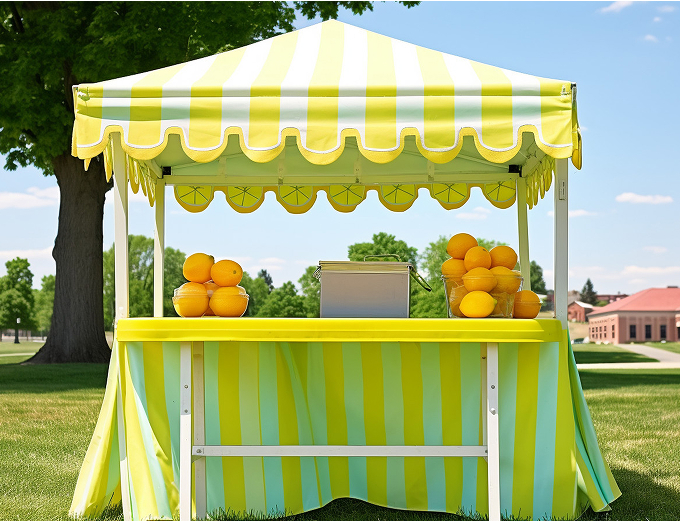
pixel 652 299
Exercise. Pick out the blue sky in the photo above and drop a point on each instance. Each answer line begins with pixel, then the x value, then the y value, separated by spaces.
pixel 623 229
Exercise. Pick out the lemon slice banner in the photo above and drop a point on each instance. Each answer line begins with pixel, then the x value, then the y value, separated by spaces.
pixel 244 199
pixel 450 196
pixel 194 198
pixel 501 194
pixel 398 197
pixel 295 198
pixel 345 198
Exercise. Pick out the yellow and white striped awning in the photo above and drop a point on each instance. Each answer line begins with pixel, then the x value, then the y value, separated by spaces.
pixel 283 112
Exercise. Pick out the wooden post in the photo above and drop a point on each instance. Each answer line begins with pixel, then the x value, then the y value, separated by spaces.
pixel 561 268
pixel 493 442
pixel 120 216
pixel 185 432
pixel 159 249
pixel 523 232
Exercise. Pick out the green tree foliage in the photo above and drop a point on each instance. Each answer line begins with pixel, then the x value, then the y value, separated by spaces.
pixel 48 47
pixel 44 300
pixel 311 291
pixel 537 282
pixel 383 243
pixel 140 259
pixel 283 302
pixel 258 291
pixel 264 275
pixel 588 293
pixel 16 295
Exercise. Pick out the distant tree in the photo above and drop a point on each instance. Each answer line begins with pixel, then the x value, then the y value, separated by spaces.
pixel 140 270
pixel 490 244
pixel 311 291
pixel 258 292
pixel 16 296
pixel 264 275
pixel 588 294
pixel 383 243
pixel 44 300
pixel 537 282
pixel 283 302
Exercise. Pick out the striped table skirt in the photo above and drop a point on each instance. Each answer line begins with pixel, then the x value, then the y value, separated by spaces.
pixel 356 393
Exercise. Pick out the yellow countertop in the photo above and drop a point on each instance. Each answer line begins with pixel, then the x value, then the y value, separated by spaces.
pixel 339 329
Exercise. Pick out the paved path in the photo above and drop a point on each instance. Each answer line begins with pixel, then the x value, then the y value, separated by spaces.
pixel 16 354
pixel 666 359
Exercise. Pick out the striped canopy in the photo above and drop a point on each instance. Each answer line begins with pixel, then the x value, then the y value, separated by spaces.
pixel 335 108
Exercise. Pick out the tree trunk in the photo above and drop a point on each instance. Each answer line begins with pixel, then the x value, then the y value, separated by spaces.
pixel 77 330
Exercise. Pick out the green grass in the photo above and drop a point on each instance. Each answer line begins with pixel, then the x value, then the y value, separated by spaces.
pixel 606 354
pixel 668 346
pixel 48 413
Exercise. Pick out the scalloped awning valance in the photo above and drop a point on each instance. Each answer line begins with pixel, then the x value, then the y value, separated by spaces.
pixel 332 108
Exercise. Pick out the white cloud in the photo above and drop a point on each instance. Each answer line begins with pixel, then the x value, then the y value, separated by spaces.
pixel 630 197
pixel 650 38
pixel 615 7
pixel 638 281
pixel 657 19
pixel 33 198
pixel 479 213
pixel 666 8
pixel 45 253
pixel 650 270
pixel 575 213
pixel 656 249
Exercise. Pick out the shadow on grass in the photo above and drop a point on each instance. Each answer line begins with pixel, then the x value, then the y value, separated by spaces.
pixel 642 499
pixel 612 379
pixel 51 378
pixel 598 357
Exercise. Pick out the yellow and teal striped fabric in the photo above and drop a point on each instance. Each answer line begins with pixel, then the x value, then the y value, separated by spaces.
pixel 357 393
pixel 321 85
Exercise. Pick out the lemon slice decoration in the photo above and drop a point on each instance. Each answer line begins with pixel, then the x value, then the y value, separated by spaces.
pixel 245 199
pixel 194 198
pixel 501 194
pixel 345 198
pixel 296 198
pixel 450 196
pixel 398 197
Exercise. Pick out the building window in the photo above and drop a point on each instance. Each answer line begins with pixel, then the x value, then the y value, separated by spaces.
pixel 633 331
pixel 662 331
pixel 612 330
pixel 648 331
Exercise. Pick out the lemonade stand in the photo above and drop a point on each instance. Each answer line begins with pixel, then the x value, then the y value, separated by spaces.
pixel 285 415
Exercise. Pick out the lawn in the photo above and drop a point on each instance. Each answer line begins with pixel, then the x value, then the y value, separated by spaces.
pixel 47 414
pixel 606 354
pixel 668 346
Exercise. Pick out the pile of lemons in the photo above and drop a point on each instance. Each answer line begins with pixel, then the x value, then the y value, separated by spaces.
pixel 212 289
pixel 481 283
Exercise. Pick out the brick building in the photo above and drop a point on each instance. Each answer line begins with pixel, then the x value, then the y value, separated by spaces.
pixel 650 315
pixel 577 311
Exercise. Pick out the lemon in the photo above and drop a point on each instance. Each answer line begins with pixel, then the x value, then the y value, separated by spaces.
pixel 477 257
pixel 527 304
pixel 197 267
pixel 229 302
pixel 503 256
pixel 508 280
pixel 454 268
pixel 226 273
pixel 477 304
pixel 459 244
pixel 190 300
pixel 479 279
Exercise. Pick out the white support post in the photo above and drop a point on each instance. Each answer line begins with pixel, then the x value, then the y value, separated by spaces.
pixel 483 374
pixel 492 440
pixel 122 451
pixel 523 232
pixel 561 251
pixel 185 432
pixel 120 214
pixel 159 249
pixel 199 431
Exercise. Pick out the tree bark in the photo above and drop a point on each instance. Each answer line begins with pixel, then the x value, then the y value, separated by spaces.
pixel 77 329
